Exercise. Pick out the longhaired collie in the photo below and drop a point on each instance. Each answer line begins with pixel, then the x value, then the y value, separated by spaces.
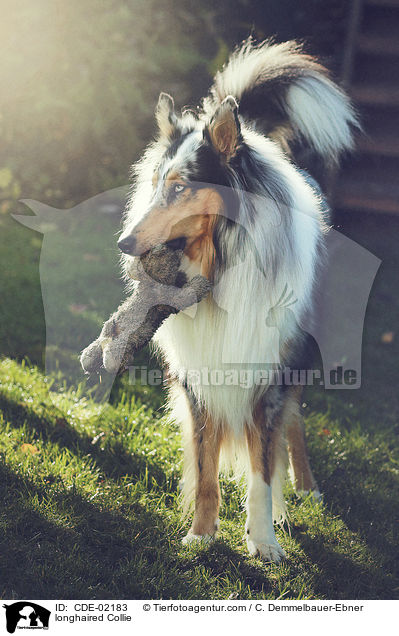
pixel 223 183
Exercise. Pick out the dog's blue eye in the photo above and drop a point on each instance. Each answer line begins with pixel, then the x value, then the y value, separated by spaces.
pixel 173 192
pixel 178 188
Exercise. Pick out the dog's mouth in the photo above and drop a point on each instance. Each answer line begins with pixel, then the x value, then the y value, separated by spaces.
pixel 177 243
pixel 173 244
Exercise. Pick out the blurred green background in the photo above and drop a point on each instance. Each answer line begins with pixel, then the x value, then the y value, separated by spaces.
pixel 79 79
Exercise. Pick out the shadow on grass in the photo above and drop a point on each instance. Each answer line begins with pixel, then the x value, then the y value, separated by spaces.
pixel 221 560
pixel 341 577
pixel 82 550
pixel 371 511
pixel 87 552
pixel 91 552
pixel 363 496
pixel 113 461
pixel 78 554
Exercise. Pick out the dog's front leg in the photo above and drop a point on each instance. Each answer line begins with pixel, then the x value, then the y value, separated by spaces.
pixel 205 450
pixel 264 444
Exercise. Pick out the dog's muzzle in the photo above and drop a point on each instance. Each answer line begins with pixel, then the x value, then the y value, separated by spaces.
pixel 127 245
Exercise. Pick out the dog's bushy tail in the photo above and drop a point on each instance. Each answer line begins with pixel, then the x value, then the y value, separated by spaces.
pixel 290 94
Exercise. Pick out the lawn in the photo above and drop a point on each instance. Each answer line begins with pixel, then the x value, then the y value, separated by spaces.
pixel 90 490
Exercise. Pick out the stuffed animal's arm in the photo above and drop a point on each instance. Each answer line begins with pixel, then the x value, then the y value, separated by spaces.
pixel 135 334
pixel 132 326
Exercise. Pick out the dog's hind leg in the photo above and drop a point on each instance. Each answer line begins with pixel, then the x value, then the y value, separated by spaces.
pixel 268 462
pixel 201 473
pixel 300 471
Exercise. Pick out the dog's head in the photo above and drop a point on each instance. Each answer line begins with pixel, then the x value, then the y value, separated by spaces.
pixel 191 173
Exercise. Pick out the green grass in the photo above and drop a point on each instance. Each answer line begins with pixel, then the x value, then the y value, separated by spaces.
pixel 90 492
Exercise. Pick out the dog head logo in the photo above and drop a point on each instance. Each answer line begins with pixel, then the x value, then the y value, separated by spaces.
pixel 26 615
pixel 79 276
pixel 76 306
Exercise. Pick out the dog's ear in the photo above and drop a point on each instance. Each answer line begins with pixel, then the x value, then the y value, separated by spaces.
pixel 165 115
pixel 223 131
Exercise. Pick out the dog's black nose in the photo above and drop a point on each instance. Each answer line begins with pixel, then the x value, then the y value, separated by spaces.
pixel 127 245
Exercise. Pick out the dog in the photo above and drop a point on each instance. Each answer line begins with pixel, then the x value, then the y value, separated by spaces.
pixel 223 183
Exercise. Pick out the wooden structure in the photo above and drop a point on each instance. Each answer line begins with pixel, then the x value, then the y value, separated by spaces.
pixel 369 181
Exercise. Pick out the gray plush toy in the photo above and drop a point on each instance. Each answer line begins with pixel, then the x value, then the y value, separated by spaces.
pixel 161 291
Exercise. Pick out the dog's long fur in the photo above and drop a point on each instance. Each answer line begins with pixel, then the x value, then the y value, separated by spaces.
pixel 223 183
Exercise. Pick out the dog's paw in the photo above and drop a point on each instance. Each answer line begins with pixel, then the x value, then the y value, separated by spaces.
pixel 270 552
pixel 197 539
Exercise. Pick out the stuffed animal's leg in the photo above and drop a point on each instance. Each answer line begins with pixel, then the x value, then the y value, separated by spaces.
pixel 91 358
